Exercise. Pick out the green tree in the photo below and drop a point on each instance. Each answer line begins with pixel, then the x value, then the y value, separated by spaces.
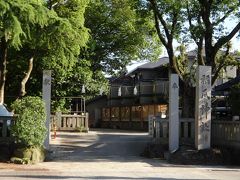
pixel 121 31
pixel 205 19
pixel 17 17
pixel 205 23
pixel 51 33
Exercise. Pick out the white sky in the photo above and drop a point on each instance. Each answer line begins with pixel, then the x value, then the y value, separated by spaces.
pixel 235 41
pixel 230 23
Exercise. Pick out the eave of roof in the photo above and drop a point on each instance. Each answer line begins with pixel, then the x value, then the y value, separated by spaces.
pixel 151 65
pixel 227 85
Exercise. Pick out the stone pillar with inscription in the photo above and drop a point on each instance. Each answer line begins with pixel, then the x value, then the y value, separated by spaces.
pixel 203 108
pixel 46 95
pixel 173 113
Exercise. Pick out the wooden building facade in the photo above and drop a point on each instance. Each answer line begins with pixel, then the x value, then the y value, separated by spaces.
pixel 133 97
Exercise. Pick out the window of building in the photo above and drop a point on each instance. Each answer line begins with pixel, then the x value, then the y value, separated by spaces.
pixel 146 111
pixel 115 113
pixel 136 113
pixel 125 113
pixel 151 110
pixel 105 114
pixel 161 110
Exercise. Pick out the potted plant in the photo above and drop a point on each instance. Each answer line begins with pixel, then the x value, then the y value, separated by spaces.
pixel 234 101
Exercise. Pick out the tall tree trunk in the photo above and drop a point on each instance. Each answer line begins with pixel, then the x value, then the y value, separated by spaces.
pixel 3 69
pixel 25 79
pixel 188 101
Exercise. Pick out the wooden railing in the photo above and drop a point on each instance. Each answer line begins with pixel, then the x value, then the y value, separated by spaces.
pixel 223 133
pixel 69 121
pixel 161 133
pixel 143 88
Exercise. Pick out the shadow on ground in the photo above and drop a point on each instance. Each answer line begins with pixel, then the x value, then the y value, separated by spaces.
pixel 108 146
pixel 86 177
pixel 101 145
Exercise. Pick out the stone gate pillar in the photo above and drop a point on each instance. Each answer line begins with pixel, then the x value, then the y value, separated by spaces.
pixel 173 113
pixel 46 95
pixel 203 108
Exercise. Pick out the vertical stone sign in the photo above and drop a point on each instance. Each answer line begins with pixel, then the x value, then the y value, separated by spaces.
pixel 203 108
pixel 46 88
pixel 173 113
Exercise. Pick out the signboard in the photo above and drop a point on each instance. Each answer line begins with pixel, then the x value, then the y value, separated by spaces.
pixel 46 88
pixel 203 108
pixel 173 113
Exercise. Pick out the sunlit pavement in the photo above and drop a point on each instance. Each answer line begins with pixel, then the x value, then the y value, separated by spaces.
pixel 108 154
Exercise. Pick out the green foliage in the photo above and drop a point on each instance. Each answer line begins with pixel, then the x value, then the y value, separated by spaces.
pixel 202 22
pixel 28 155
pixel 53 32
pixel 19 16
pixel 60 105
pixel 234 99
pixel 82 129
pixel 120 32
pixel 30 129
pixel 188 70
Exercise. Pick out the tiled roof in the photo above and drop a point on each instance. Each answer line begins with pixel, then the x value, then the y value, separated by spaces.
pixel 151 65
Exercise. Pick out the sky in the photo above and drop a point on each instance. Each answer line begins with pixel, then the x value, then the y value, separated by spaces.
pixel 230 23
pixel 235 42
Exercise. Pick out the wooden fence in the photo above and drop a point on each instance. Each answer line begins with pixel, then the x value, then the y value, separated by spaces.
pixel 223 133
pixel 226 133
pixel 69 122
pixel 60 121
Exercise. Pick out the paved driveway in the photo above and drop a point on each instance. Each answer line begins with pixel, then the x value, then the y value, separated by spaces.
pixel 107 145
pixel 108 154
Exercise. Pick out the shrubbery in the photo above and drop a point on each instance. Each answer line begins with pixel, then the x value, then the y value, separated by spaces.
pixel 29 129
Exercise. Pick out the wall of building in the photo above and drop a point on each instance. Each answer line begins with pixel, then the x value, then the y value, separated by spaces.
pixel 95 111
pixel 131 117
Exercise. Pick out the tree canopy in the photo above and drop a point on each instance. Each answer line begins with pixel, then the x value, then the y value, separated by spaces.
pixel 202 22
pixel 50 32
pixel 121 31
pixel 80 47
pixel 16 23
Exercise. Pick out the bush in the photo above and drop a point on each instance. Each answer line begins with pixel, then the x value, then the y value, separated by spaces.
pixel 29 129
pixel 82 129
pixel 30 155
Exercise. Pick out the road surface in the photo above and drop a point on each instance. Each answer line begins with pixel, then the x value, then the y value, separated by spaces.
pixel 109 154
